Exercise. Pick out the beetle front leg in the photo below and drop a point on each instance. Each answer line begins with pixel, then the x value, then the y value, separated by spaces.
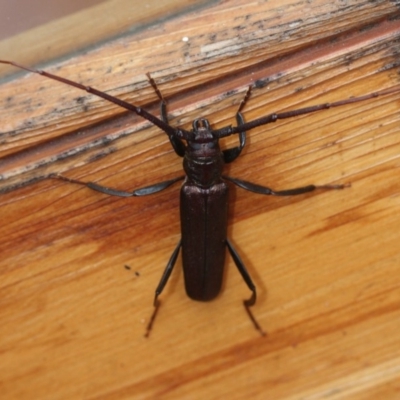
pixel 246 277
pixel 177 144
pixel 233 153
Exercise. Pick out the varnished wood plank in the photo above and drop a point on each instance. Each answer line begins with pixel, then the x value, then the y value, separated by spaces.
pixel 86 28
pixel 325 264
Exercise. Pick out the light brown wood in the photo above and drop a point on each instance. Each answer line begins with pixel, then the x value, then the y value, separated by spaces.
pixel 326 265
pixel 88 27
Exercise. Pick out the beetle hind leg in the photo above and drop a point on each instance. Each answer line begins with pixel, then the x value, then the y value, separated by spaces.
pixel 161 285
pixel 246 277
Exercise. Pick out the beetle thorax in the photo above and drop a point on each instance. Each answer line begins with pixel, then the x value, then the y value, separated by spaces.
pixel 203 161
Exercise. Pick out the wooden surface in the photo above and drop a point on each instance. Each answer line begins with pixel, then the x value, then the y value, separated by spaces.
pixel 86 28
pixel 326 265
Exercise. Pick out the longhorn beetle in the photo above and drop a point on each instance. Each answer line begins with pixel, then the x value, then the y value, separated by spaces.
pixel 204 193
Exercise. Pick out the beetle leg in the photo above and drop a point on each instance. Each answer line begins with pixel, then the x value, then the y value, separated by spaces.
pixel 252 187
pixel 246 277
pixel 144 191
pixel 233 153
pixel 177 144
pixel 161 285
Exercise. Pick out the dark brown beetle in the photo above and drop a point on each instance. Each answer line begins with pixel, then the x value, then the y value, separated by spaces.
pixel 204 193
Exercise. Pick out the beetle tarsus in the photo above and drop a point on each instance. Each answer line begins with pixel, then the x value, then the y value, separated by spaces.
pixel 335 187
pixel 66 179
pixel 247 304
pixel 149 327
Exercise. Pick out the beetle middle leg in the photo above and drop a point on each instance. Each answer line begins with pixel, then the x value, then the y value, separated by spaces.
pixel 253 187
pixel 144 191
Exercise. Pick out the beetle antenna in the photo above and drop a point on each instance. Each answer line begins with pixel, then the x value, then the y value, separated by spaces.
pixel 227 131
pixel 137 110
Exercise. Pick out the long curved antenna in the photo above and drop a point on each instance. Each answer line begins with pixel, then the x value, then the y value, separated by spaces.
pixel 220 133
pixel 301 111
pixel 169 130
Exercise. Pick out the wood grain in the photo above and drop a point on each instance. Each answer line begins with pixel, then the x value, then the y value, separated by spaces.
pixel 86 28
pixel 325 264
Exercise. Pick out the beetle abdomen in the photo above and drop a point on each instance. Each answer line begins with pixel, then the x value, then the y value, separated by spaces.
pixel 204 214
